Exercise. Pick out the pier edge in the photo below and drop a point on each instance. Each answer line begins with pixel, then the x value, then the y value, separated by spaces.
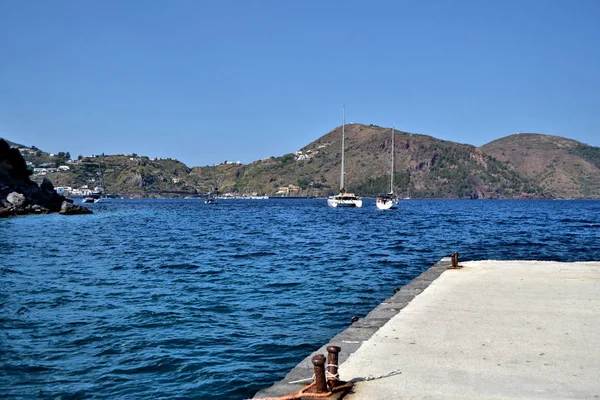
pixel 358 332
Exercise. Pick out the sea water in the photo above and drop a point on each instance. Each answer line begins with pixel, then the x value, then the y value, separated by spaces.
pixel 178 299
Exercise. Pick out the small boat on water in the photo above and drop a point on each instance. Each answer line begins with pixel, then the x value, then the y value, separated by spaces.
pixel 389 201
pixel 212 197
pixel 408 189
pixel 96 195
pixel 344 198
pixel 92 197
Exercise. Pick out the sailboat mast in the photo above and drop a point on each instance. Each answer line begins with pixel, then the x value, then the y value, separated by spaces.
pixel 392 174
pixel 343 137
pixel 100 173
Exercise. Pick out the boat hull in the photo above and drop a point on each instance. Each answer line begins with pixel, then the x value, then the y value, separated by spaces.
pixel 386 204
pixel 92 198
pixel 344 203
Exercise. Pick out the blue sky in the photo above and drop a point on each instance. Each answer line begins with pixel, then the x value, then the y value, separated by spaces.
pixel 209 81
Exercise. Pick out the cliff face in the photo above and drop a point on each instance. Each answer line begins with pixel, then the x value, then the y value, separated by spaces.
pixel 19 195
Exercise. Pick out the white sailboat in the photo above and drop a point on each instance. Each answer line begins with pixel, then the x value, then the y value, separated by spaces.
pixel 212 199
pixel 408 188
pixel 96 195
pixel 389 201
pixel 344 198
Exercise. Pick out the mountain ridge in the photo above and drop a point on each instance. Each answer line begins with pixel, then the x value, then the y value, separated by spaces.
pixel 560 165
pixel 514 166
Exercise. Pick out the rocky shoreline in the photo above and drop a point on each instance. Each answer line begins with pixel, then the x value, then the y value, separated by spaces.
pixel 21 196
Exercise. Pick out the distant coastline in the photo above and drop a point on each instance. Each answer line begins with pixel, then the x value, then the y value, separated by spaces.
pixel 520 166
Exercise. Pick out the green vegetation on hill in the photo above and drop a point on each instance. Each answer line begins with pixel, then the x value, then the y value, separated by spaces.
pixel 588 153
pixel 129 176
pixel 517 166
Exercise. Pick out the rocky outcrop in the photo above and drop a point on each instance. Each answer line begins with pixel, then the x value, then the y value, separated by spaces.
pixel 20 196
pixel 68 208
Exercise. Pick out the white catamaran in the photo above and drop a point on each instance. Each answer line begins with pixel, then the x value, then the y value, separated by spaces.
pixel 344 198
pixel 389 201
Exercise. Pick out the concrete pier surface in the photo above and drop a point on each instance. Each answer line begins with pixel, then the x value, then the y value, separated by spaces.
pixel 491 330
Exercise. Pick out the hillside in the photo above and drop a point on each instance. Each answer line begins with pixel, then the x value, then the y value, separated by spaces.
pixel 425 167
pixel 130 176
pixel 12 144
pixel 518 166
pixel 563 167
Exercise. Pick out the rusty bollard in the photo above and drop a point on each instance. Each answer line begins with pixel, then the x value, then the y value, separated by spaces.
pixel 455 261
pixel 332 365
pixel 319 365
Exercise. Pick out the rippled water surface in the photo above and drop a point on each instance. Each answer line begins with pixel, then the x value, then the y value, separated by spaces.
pixel 177 299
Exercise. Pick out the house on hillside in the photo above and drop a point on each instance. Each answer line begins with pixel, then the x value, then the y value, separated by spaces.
pixel 285 191
pixel 65 191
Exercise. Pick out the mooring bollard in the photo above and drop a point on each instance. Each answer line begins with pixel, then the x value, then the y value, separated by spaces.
pixel 454 264
pixel 319 365
pixel 332 364
pixel 455 260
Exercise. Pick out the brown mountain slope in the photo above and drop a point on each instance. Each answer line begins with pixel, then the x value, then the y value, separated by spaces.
pixel 563 167
pixel 425 167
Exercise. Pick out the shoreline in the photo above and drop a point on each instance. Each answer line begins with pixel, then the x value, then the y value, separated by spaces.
pixel 351 338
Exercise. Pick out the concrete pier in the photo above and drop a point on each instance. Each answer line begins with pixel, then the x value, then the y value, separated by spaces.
pixel 492 329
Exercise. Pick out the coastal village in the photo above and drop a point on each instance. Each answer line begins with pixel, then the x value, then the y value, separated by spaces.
pixel 62 164
pixel 46 169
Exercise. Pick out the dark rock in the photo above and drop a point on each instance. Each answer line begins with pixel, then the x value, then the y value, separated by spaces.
pixel 48 197
pixel 19 195
pixel 37 209
pixel 68 208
